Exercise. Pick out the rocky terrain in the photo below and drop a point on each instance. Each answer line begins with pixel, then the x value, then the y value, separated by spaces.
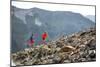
pixel 78 47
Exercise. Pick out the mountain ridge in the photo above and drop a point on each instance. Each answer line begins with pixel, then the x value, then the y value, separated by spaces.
pixel 55 23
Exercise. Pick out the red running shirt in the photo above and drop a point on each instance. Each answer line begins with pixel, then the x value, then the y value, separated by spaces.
pixel 44 36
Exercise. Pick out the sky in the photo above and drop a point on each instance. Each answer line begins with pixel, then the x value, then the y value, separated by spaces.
pixel 84 10
pixel 91 2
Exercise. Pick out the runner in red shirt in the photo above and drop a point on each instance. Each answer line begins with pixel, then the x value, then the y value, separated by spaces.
pixel 44 37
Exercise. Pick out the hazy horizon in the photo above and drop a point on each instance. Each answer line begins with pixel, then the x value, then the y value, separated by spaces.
pixel 84 10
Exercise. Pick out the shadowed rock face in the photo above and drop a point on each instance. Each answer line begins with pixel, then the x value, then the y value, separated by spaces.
pixel 78 47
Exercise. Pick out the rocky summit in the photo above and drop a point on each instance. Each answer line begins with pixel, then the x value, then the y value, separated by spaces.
pixel 78 47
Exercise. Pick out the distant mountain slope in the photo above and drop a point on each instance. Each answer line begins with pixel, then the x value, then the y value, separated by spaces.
pixel 56 23
pixel 19 31
pixel 91 17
